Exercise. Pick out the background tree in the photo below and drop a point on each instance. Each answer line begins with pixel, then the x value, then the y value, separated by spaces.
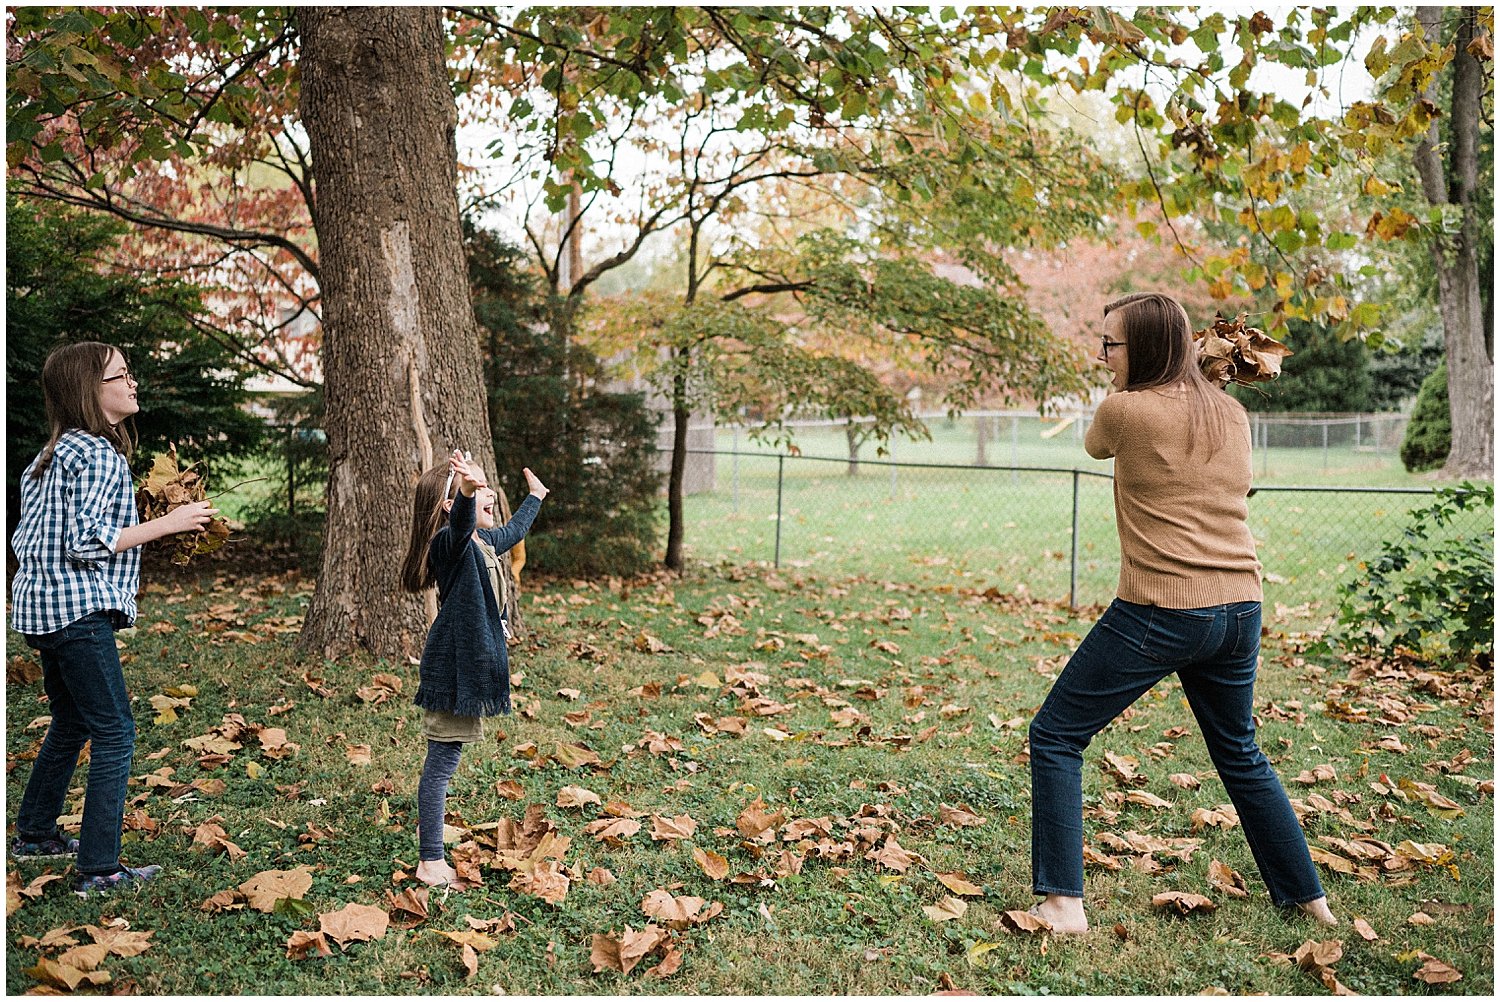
pixel 1429 433
pixel 595 450
pixel 56 292
pixel 1325 374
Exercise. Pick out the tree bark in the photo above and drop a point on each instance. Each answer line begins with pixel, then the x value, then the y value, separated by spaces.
pixel 1451 180
pixel 401 363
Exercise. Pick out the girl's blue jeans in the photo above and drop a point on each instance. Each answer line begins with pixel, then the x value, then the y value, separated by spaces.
pixel 1214 652
pixel 86 693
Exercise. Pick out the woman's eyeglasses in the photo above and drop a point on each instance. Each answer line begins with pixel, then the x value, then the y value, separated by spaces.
pixel 1105 344
pixel 126 375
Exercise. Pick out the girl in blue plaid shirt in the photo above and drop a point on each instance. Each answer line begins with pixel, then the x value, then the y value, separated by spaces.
pixel 78 543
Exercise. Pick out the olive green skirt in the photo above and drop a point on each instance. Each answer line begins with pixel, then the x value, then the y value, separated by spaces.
pixel 439 725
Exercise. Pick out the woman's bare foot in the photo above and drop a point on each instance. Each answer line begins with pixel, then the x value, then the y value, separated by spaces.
pixel 1063 914
pixel 436 873
pixel 1318 911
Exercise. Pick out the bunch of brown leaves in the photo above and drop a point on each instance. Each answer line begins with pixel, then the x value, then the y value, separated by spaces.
pixel 166 488
pixel 1229 351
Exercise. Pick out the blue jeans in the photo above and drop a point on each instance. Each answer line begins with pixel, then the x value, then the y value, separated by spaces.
pixel 86 692
pixel 1214 653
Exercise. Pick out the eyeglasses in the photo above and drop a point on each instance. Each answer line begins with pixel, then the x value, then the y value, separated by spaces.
pixel 126 375
pixel 1105 344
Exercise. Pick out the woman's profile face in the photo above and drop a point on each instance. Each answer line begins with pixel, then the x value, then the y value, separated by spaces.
pixel 1115 352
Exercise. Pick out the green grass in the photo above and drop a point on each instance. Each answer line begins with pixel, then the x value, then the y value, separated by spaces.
pixel 839 927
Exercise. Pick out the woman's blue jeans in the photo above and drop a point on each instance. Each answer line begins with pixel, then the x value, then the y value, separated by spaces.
pixel 86 692
pixel 1214 653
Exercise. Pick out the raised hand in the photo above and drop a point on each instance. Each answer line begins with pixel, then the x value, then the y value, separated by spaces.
pixel 470 476
pixel 535 486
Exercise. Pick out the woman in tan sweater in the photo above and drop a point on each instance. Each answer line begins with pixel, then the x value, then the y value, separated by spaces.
pixel 1188 602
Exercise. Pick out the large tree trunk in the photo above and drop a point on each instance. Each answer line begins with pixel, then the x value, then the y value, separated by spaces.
pixel 402 371
pixel 1452 181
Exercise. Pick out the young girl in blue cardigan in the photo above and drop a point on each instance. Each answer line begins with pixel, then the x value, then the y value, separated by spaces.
pixel 465 674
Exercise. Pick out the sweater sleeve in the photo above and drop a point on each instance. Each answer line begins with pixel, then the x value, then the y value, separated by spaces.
pixel 1103 437
pixel 512 532
pixel 453 539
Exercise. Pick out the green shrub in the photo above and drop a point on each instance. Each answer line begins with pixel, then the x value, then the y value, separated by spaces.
pixel 1431 591
pixel 1429 433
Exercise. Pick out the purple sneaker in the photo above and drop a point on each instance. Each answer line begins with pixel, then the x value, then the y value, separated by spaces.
pixel 53 846
pixel 128 877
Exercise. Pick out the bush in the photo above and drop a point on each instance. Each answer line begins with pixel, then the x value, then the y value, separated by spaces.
pixel 1429 433
pixel 596 451
pixel 1430 592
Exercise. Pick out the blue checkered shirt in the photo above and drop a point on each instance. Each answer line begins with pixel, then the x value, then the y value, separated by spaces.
pixel 70 520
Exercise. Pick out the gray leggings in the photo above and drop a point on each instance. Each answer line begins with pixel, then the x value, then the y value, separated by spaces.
pixel 432 796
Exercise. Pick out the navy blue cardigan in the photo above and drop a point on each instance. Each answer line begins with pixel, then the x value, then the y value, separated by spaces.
pixel 465 669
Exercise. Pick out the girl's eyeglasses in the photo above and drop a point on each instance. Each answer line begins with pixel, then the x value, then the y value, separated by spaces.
pixel 1105 344
pixel 126 375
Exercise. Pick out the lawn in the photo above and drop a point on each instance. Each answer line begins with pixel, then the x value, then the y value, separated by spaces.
pixel 836 758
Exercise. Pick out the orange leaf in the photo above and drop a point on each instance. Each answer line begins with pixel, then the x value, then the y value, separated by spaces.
pixel 959 884
pixel 1182 902
pixel 354 923
pixel 668 829
pixel 1024 921
pixel 622 953
pixel 303 942
pixel 713 865
pixel 1225 879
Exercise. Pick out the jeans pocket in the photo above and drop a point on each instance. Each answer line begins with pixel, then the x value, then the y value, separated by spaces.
pixel 1246 631
pixel 1176 636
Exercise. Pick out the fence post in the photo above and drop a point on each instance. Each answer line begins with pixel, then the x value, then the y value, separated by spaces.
pixel 780 468
pixel 1015 447
pixel 1325 446
pixel 736 469
pixel 291 475
pixel 892 453
pixel 1073 561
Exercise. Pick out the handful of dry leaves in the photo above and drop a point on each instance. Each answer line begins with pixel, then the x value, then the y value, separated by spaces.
pixel 1230 352
pixel 165 488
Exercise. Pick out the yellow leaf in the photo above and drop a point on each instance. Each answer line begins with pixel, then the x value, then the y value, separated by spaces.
pixel 254 770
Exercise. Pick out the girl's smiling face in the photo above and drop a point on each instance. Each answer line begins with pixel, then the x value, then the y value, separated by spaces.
pixel 117 390
pixel 484 508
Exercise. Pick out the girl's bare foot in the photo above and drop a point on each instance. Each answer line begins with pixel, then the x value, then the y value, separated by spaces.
pixel 436 873
pixel 1318 911
pixel 1063 914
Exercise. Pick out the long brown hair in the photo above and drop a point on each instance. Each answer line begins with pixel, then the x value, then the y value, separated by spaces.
pixel 427 517
pixel 1159 340
pixel 71 378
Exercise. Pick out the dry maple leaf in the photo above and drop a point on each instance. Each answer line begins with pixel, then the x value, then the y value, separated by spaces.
pixel 947 909
pixel 647 644
pixel 755 824
pixel 58 975
pixel 961 816
pixel 1230 351
pixel 613 831
pixel 1227 880
pixel 1435 972
pixel 166 488
pixel 357 754
pixel 959 884
pixel 119 939
pixel 302 943
pixel 678 912
pixel 668 829
pixel 892 856
pixel 263 890
pixel 622 953
pixel 1182 902
pixel 409 908
pixel 1024 922
pixel 354 923
pixel 576 796
pixel 1366 933
pixel 713 865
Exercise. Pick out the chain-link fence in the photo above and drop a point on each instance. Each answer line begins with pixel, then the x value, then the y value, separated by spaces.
pixel 1046 531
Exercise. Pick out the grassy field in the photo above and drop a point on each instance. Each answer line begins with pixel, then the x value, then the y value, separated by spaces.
pixel 839 740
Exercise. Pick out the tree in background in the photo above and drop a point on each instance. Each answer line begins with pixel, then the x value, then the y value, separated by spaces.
pixel 595 450
pixel 56 292
pixel 1429 433
pixel 1324 374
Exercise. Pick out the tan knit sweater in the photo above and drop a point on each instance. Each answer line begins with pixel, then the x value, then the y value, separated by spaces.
pixel 1184 539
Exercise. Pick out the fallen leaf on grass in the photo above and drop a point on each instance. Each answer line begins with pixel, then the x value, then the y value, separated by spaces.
pixel 669 829
pixel 1186 780
pixel 58 975
pixel 357 754
pixel 1182 902
pixel 263 890
pixel 713 865
pixel 623 952
pixel 14 892
pixel 1022 921
pixel 510 789
pixel 1313 955
pixel 471 945
pixel 678 912
pixel 409 908
pixel 302 942
pixel 613 831
pixel 1366 933
pixel 574 756
pixel 577 796
pixel 1435 972
pixel 1420 918
pixel 118 938
pixel 647 644
pixel 754 823
pixel 1225 879
pixel 959 817
pixel 947 909
pixel 959 884
pixel 892 856
pixel 354 923
pixel 212 836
